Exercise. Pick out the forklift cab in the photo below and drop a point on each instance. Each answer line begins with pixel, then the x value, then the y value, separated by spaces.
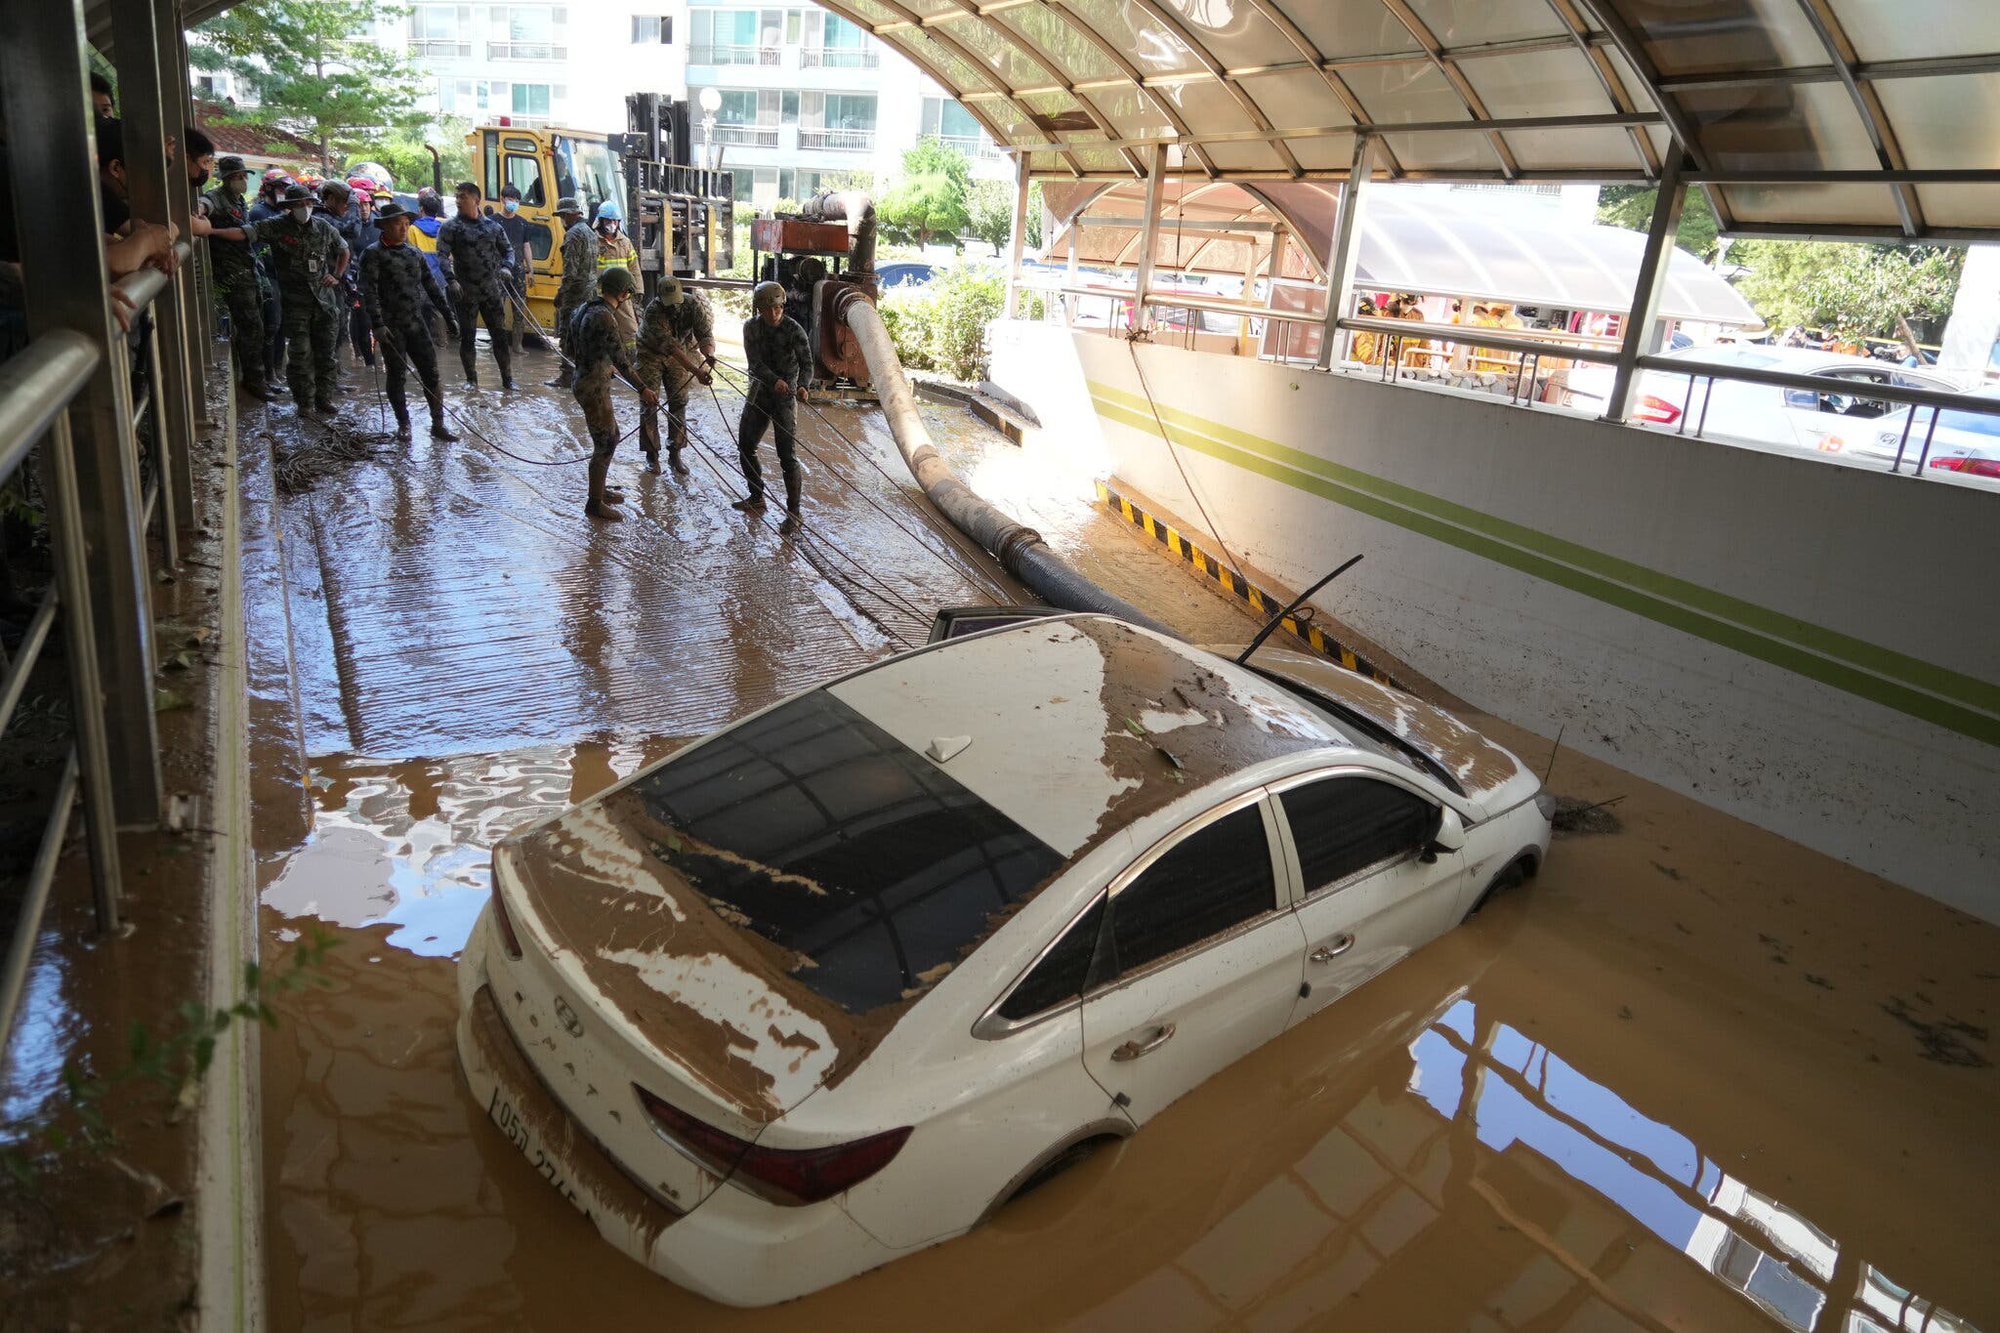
pixel 546 165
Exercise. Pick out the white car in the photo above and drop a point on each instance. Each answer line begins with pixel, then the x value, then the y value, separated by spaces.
pixel 838 981
pixel 1961 442
pixel 1838 420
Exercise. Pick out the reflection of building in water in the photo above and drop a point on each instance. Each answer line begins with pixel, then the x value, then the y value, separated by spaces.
pixel 1502 1189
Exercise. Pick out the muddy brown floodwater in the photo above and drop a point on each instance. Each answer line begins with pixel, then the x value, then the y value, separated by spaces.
pixel 1692 1078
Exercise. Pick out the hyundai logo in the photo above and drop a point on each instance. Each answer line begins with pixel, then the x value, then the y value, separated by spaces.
pixel 571 1023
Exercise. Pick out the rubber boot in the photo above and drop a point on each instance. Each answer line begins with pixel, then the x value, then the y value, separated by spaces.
pixel 565 378
pixel 653 461
pixel 402 423
pixel 253 387
pixel 793 522
pixel 753 504
pixel 676 441
pixel 470 361
pixel 439 431
pixel 599 505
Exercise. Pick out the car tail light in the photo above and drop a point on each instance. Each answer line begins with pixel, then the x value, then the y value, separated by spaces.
pixel 788 1176
pixel 1971 467
pixel 508 939
pixel 1658 411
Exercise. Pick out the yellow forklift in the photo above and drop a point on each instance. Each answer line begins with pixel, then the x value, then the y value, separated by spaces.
pixel 681 218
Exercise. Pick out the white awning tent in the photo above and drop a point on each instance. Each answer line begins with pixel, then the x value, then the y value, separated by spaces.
pixel 1405 245
pixel 1840 118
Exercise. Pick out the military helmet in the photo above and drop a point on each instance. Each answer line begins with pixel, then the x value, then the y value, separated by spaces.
pixel 231 166
pixel 767 296
pixel 615 282
pixel 568 204
pixel 331 190
pixel 297 193
pixel 669 292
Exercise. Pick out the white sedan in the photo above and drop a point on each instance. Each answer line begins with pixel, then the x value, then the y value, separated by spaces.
pixel 840 980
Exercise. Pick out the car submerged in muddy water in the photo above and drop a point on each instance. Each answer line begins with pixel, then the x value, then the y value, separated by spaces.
pixel 840 980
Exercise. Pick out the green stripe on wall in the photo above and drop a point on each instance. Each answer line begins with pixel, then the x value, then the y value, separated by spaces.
pixel 1893 679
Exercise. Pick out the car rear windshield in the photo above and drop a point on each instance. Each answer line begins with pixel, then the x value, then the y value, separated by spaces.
pixel 824 834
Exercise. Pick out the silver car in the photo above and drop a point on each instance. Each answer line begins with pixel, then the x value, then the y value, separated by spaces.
pixel 1965 444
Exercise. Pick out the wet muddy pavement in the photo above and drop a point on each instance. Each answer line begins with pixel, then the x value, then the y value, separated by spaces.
pixel 1692 1078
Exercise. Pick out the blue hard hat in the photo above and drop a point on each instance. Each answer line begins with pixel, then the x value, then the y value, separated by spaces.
pixel 610 209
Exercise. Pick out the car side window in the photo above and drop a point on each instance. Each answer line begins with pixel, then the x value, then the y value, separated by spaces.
pixel 1346 824
pixel 1059 976
pixel 1217 877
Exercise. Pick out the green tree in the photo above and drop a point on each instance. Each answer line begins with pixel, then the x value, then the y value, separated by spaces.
pixel 1856 290
pixel 1631 207
pixel 406 153
pixel 992 210
pixel 310 66
pixel 930 199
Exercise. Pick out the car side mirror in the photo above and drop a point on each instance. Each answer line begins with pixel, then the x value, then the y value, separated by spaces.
pixel 1450 835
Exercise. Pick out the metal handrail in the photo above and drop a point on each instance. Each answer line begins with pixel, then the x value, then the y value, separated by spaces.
pixel 36 385
pixel 35 900
pixel 1787 379
pixel 1473 335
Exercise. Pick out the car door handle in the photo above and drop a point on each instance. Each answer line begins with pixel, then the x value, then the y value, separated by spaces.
pixel 1331 950
pixel 1132 1050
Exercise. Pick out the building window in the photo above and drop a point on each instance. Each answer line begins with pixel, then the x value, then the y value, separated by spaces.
pixel 441 31
pixel 531 100
pixel 526 32
pixel 652 29
pixel 841 122
pixel 945 119
pixel 838 44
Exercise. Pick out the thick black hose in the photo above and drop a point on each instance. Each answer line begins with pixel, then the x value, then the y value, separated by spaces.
pixel 1019 548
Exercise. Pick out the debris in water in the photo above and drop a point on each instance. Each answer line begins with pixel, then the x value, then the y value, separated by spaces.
pixel 1942 1041
pixel 1575 815
pixel 328 450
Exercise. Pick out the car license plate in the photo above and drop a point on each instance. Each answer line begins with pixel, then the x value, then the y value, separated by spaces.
pixel 502 1113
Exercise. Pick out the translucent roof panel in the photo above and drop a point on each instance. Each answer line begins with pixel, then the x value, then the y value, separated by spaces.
pixel 1750 97
pixel 1410 241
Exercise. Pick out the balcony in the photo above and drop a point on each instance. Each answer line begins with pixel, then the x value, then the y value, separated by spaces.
pixel 839 141
pixel 839 57
pixel 972 145
pixel 746 136
pixel 733 55
pixel 526 51
pixel 438 48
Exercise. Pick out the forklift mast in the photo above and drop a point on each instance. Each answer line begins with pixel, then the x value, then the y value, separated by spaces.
pixel 681 216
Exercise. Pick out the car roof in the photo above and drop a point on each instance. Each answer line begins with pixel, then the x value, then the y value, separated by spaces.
pixel 1075 727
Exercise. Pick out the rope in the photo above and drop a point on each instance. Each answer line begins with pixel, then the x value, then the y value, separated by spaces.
pixel 1174 454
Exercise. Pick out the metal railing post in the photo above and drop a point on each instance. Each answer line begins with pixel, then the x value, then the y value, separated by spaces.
pixel 1017 235
pixel 1345 248
pixel 1149 238
pixel 1641 334
pixel 44 85
pixel 85 689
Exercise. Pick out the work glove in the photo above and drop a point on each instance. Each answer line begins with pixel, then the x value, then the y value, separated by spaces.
pixel 454 291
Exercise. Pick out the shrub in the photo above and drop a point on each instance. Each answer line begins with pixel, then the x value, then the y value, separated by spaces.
pixel 941 327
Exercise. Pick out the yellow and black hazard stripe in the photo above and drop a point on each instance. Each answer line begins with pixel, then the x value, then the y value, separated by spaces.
pixel 1256 598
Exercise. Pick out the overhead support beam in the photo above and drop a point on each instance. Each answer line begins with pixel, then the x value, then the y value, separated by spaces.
pixel 1245 226
pixel 1922 176
pixel 1641 334
pixel 1923 67
pixel 1345 249
pixel 1591 47
pixel 1880 136
pixel 44 87
pixel 1149 239
pixel 1616 120
pixel 1474 106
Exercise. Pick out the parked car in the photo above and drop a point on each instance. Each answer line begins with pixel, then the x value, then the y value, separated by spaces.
pixel 1839 419
pixel 903 273
pixel 1967 443
pixel 843 978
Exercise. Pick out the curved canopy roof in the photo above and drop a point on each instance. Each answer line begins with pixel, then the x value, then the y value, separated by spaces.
pixel 1406 245
pixel 1803 117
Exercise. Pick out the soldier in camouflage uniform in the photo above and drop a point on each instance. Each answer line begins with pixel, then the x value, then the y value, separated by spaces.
pixel 309 259
pixel 676 348
pixel 579 275
pixel 781 366
pixel 236 281
pixel 477 260
pixel 598 350
pixel 395 283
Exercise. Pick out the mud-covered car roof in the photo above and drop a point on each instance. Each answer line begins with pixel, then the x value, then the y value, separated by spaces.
pixel 1076 727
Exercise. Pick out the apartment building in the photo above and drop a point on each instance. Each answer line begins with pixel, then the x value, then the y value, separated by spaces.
pixel 567 64
pixel 806 94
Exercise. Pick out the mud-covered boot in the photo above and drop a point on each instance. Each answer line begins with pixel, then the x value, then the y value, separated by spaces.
pixel 653 461
pixel 439 431
pixel 403 423
pixel 253 387
pixel 676 441
pixel 565 378
pixel 599 505
pixel 674 461
pixel 793 522
pixel 751 504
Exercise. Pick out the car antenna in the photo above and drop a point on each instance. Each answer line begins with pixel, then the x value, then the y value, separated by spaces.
pixel 1290 607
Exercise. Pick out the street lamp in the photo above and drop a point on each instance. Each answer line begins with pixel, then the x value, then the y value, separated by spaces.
pixel 711 102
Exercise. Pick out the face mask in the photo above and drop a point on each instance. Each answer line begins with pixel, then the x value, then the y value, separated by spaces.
pixel 201 179
pixel 302 212
pixel 610 229
pixel 511 205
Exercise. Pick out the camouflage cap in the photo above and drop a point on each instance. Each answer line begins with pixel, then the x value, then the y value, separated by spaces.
pixel 615 282
pixel 298 193
pixel 231 166
pixel 568 204
pixel 669 292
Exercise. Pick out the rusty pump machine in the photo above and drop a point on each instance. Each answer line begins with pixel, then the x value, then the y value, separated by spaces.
pixel 824 258
pixel 682 218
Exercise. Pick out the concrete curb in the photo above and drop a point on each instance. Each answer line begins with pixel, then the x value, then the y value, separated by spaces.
pixel 230 1203
pixel 1257 599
